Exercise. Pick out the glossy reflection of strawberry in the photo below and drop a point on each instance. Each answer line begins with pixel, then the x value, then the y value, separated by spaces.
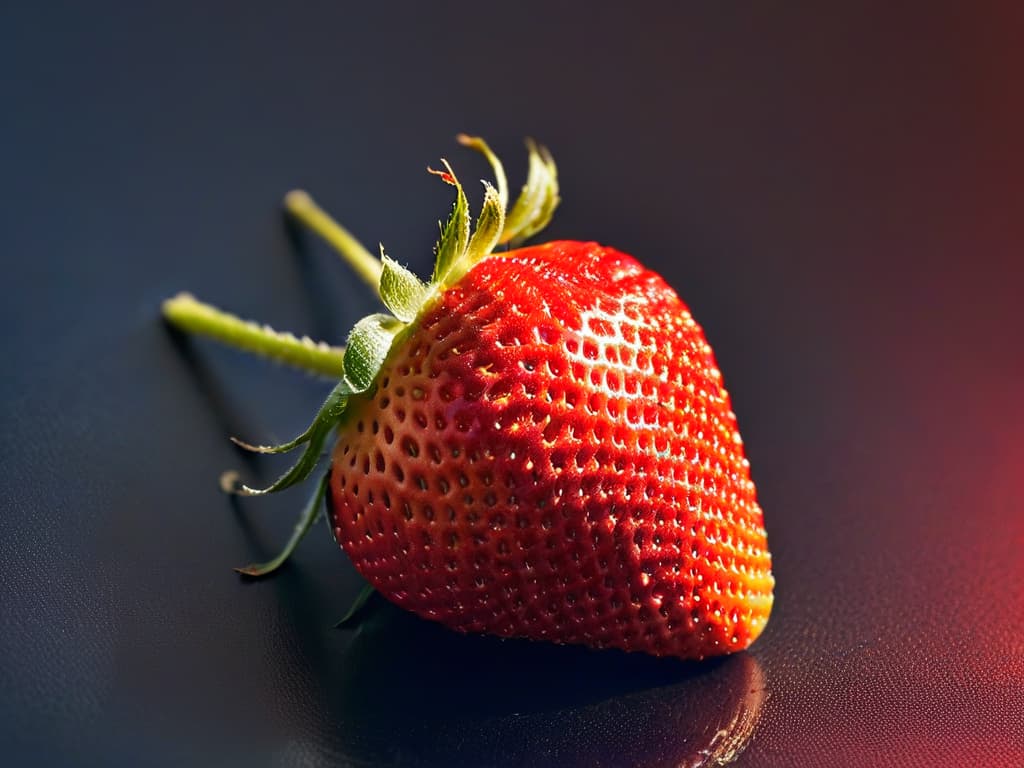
pixel 535 443
pixel 477 701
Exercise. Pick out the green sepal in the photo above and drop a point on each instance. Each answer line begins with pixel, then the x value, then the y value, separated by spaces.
pixel 549 201
pixel 282 448
pixel 501 181
pixel 357 606
pixel 314 438
pixel 538 199
pixel 400 290
pixel 310 514
pixel 368 346
pixel 489 224
pixel 485 236
pixel 454 234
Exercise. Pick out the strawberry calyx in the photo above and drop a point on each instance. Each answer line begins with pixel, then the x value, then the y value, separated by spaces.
pixel 459 248
pixel 405 295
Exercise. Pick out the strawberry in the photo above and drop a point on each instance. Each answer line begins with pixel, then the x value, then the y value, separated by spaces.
pixel 537 443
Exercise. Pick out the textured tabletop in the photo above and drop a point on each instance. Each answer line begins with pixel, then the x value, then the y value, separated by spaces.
pixel 834 190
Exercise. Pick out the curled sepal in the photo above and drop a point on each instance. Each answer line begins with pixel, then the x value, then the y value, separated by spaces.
pixel 307 519
pixel 400 290
pixel 454 234
pixel 368 346
pixel 313 438
pixel 291 445
pixel 538 199
pixel 477 143
pixel 357 606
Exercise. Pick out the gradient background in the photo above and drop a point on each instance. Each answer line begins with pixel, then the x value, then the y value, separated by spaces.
pixel 837 190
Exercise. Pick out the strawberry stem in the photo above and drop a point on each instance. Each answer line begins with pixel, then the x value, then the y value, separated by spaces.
pixel 300 205
pixel 186 313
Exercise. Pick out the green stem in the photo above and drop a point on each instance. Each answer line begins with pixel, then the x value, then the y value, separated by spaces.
pixel 188 314
pixel 300 205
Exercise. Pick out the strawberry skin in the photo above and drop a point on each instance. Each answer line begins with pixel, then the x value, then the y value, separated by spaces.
pixel 548 452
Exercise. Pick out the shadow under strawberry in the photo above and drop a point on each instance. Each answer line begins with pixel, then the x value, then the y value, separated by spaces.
pixel 220 405
pixel 413 693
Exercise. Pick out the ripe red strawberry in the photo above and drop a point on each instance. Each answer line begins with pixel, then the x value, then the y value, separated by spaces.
pixel 538 444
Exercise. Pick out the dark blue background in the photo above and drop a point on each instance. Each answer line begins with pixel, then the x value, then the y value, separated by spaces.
pixel 834 189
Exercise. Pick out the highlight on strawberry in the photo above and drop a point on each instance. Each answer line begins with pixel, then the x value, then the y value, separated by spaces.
pixel 535 443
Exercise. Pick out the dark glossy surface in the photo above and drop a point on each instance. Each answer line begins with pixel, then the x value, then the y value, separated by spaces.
pixel 836 193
